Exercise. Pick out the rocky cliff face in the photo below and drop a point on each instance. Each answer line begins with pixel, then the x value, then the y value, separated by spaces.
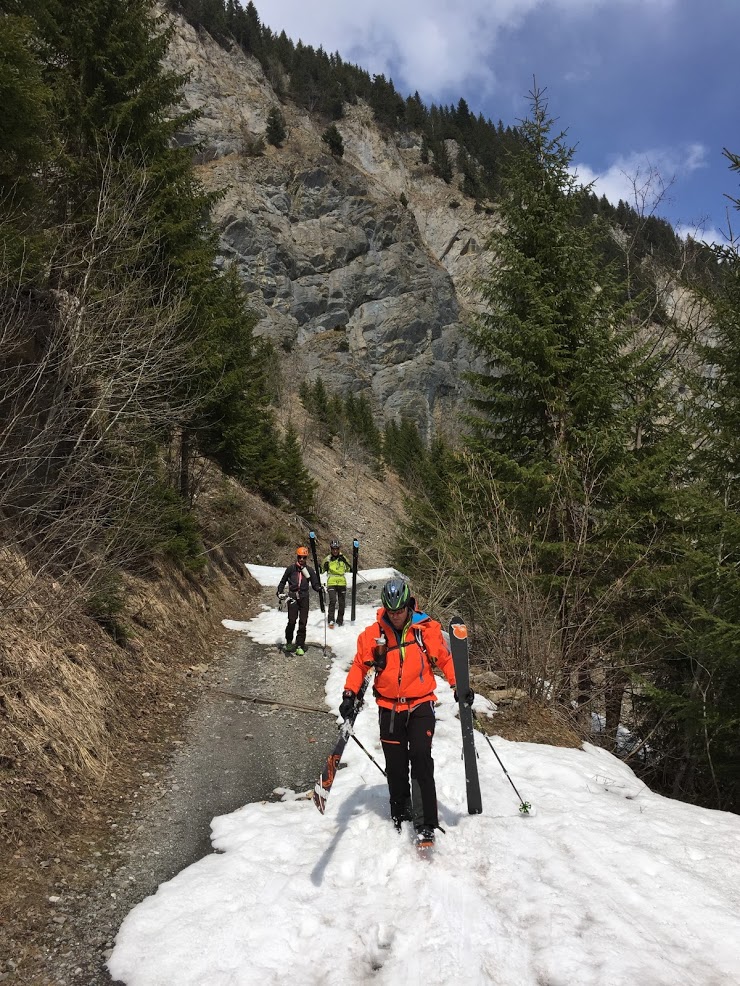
pixel 350 283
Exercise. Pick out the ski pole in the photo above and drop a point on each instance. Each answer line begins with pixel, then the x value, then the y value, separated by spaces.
pixel 324 784
pixel 524 806
pixel 262 700
pixel 367 753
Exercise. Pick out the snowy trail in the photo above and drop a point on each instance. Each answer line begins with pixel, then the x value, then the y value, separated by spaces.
pixel 606 884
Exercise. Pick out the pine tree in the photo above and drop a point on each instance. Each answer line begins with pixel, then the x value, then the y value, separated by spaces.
pixel 320 408
pixel 233 424
pixel 466 166
pixel 570 412
pixel 306 395
pixel 25 137
pixel 116 111
pixel 25 101
pixel 403 449
pixel 276 132
pixel 441 162
pixel 333 140
pixel 415 112
pixel 296 484
pixel 231 365
pixel 696 692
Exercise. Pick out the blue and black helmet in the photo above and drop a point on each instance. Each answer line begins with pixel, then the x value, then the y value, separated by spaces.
pixel 395 595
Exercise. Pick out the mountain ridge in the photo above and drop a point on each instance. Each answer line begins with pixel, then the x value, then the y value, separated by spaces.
pixel 362 271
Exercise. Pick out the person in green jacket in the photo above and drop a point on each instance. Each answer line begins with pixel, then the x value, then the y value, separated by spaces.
pixel 336 567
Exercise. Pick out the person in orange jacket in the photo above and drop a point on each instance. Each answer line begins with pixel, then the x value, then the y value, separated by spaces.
pixel 297 578
pixel 404 646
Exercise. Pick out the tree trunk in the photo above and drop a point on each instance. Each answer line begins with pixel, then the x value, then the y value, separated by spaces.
pixel 613 695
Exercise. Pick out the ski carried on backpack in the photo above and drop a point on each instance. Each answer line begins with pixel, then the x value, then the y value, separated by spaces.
pixel 312 539
pixel 459 649
pixel 324 783
pixel 355 553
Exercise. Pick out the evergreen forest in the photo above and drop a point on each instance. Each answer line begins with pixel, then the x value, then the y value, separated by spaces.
pixel 587 526
pixel 126 359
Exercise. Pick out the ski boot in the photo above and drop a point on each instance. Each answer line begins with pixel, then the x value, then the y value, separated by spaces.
pixel 402 813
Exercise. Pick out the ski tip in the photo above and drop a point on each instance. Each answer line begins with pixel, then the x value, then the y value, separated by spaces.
pixel 319 797
pixel 424 849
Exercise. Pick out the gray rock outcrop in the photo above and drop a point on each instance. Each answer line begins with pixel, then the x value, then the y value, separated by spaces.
pixel 349 283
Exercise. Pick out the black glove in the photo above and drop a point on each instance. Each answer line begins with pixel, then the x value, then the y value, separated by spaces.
pixel 469 696
pixel 348 704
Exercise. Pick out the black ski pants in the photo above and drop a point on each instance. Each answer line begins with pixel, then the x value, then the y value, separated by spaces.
pixel 297 610
pixel 337 593
pixel 407 741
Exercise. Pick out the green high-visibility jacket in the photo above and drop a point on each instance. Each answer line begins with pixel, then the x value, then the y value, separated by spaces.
pixel 336 568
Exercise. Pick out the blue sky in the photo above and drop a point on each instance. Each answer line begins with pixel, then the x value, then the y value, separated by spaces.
pixel 647 89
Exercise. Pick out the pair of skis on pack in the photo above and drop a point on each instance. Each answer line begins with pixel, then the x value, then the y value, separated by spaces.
pixel 459 650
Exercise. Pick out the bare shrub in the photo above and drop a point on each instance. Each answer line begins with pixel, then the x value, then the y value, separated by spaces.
pixel 90 387
pixel 251 145
pixel 554 639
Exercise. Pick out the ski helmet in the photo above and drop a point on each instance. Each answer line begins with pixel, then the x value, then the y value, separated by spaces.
pixel 334 544
pixel 395 595
pixel 302 552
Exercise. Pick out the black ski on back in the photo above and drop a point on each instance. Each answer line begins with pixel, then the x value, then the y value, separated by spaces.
pixel 355 553
pixel 312 539
pixel 459 649
pixel 324 783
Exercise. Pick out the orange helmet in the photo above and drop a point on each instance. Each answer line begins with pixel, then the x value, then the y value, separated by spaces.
pixel 302 552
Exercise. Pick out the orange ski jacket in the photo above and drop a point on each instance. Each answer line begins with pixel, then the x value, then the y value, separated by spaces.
pixel 407 679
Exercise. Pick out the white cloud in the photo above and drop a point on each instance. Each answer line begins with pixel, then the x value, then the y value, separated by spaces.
pixel 431 45
pixel 710 236
pixel 643 179
pixel 578 75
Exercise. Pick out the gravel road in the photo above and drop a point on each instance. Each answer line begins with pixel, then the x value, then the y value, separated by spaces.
pixel 232 753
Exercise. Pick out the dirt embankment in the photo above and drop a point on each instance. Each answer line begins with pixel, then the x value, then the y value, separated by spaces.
pixel 233 751
pixel 83 718
pixel 88 725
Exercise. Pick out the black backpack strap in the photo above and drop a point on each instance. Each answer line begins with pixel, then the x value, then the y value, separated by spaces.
pixel 420 641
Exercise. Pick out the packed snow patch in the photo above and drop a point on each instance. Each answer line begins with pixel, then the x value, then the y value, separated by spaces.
pixel 609 885
pixel 268 575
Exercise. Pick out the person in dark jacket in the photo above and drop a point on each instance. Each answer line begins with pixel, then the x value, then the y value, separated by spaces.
pixel 296 579
pixel 404 646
